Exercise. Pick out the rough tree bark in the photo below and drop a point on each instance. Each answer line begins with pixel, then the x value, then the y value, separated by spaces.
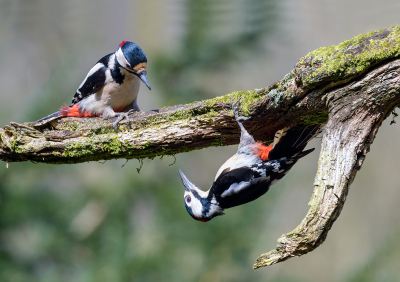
pixel 352 87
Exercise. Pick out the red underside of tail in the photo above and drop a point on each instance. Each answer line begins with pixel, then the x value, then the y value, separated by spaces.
pixel 262 151
pixel 74 111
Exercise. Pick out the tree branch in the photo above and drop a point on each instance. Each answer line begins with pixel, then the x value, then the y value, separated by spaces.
pixel 356 111
pixel 355 84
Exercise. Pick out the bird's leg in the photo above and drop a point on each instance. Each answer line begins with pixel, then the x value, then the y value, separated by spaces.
pixel 235 108
pixel 133 107
pixel 109 113
pixel 121 116
pixel 245 137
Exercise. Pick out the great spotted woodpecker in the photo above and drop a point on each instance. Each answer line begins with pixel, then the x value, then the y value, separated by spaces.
pixel 249 173
pixel 111 87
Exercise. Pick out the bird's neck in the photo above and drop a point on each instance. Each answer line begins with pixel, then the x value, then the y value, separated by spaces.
pixel 211 206
pixel 120 58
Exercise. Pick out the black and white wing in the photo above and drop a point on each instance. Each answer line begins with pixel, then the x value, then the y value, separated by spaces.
pixel 245 184
pixel 93 81
pixel 239 186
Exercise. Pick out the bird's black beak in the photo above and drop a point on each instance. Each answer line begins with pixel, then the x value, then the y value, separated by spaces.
pixel 186 182
pixel 143 77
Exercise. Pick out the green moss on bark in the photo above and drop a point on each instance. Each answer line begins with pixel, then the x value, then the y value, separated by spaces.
pixel 318 118
pixel 349 57
pixel 246 98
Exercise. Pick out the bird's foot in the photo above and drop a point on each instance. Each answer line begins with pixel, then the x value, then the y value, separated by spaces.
pixel 235 108
pixel 121 116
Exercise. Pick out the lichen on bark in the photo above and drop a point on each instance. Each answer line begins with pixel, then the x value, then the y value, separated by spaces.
pixel 349 58
pixel 352 87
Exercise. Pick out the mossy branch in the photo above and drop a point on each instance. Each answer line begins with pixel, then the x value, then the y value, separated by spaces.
pixel 354 84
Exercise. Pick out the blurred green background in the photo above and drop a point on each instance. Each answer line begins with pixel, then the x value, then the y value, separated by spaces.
pixel 106 222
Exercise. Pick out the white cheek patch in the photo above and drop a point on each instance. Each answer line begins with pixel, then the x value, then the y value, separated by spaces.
pixel 196 207
pixel 235 188
pixel 194 204
pixel 121 59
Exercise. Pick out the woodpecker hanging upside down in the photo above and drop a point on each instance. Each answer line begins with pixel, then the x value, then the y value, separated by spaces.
pixel 111 87
pixel 249 173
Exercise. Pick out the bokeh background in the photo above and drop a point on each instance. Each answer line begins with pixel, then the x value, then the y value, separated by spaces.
pixel 104 221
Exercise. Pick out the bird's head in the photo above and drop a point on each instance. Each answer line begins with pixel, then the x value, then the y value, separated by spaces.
pixel 202 206
pixel 132 58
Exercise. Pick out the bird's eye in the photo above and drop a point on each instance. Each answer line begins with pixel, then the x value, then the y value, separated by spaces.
pixel 188 199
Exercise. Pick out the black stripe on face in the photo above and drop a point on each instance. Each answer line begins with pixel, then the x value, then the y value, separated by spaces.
pixel 116 72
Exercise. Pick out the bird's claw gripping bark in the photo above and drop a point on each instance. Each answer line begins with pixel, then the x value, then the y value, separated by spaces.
pixel 235 108
pixel 121 116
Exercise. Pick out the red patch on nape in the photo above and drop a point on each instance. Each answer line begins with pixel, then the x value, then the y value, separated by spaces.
pixel 200 219
pixel 262 151
pixel 122 44
pixel 74 111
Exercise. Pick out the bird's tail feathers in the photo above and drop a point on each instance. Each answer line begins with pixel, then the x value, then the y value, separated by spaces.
pixel 304 153
pixel 74 111
pixel 291 140
pixel 53 115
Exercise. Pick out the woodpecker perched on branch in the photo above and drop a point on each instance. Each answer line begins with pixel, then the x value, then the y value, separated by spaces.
pixel 249 173
pixel 111 87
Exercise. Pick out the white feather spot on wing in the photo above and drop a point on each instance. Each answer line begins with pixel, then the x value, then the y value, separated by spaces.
pixel 235 188
pixel 95 68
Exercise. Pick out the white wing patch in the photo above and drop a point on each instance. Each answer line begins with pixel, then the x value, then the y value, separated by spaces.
pixel 92 71
pixel 276 165
pixel 235 188
pixel 259 170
